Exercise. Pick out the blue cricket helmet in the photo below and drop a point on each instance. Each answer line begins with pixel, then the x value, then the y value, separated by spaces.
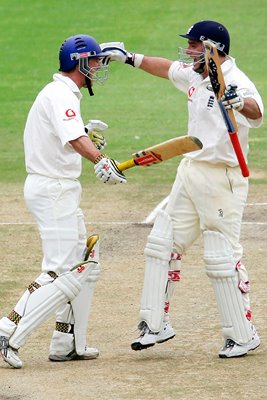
pixel 76 47
pixel 210 30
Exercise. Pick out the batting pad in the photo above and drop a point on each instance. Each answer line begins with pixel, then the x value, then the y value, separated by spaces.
pixel 157 252
pixel 47 299
pixel 81 307
pixel 220 267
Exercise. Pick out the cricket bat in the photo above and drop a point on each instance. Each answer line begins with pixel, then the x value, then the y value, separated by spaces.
pixel 218 85
pixel 162 151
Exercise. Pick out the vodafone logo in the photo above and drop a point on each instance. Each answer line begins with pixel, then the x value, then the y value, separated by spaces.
pixel 191 91
pixel 70 113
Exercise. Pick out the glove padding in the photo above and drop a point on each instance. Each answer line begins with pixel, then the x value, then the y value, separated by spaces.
pixel 231 99
pixel 116 52
pixel 93 128
pixel 107 171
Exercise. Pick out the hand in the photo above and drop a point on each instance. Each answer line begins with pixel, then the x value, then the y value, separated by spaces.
pixel 116 52
pixel 108 172
pixel 231 99
pixel 92 128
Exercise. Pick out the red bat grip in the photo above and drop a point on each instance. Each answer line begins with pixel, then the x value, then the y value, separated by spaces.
pixel 239 154
pixel 235 141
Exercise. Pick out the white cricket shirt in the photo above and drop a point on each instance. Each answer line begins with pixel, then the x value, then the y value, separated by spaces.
pixel 54 119
pixel 205 120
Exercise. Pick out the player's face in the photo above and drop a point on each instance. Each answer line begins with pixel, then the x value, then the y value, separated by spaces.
pixel 94 64
pixel 195 50
pixel 97 71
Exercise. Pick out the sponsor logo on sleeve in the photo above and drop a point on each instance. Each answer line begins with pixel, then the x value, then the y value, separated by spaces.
pixel 191 91
pixel 70 114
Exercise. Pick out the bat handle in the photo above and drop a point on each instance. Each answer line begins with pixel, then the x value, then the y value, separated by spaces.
pixel 230 122
pixel 126 164
pixel 239 154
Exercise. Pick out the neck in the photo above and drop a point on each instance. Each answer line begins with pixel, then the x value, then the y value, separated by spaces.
pixel 76 77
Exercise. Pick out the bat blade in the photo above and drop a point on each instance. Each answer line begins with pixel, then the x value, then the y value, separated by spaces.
pixel 218 85
pixel 162 152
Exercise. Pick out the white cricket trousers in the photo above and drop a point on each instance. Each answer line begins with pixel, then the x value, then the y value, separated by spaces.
pixel 55 205
pixel 212 197
pixel 205 196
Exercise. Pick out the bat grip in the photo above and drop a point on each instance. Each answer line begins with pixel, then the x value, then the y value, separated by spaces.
pixel 239 154
pixel 234 139
pixel 126 165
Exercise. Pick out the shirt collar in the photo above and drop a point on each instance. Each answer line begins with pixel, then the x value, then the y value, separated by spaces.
pixel 225 66
pixel 69 82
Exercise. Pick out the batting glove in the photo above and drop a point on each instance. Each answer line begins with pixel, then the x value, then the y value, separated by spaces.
pixel 231 99
pixel 93 128
pixel 116 52
pixel 107 171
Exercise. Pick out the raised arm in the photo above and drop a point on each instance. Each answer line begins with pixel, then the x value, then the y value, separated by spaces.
pixel 157 66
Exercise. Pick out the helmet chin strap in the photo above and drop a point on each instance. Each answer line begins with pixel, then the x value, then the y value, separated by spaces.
pixel 89 86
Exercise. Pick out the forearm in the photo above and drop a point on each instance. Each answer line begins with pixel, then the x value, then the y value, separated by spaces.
pixel 156 66
pixel 105 168
pixel 84 146
pixel 251 109
pixel 247 106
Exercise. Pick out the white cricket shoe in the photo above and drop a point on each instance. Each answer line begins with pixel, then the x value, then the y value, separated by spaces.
pixel 89 354
pixel 232 349
pixel 148 338
pixel 9 354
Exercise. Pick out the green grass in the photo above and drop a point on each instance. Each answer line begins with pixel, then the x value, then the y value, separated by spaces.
pixel 140 109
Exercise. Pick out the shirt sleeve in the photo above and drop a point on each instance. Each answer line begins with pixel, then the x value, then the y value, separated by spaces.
pixel 66 118
pixel 179 75
pixel 255 123
pixel 245 88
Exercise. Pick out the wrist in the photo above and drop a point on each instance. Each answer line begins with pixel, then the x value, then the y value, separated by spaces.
pixel 241 106
pixel 99 158
pixel 135 60
pixel 138 58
